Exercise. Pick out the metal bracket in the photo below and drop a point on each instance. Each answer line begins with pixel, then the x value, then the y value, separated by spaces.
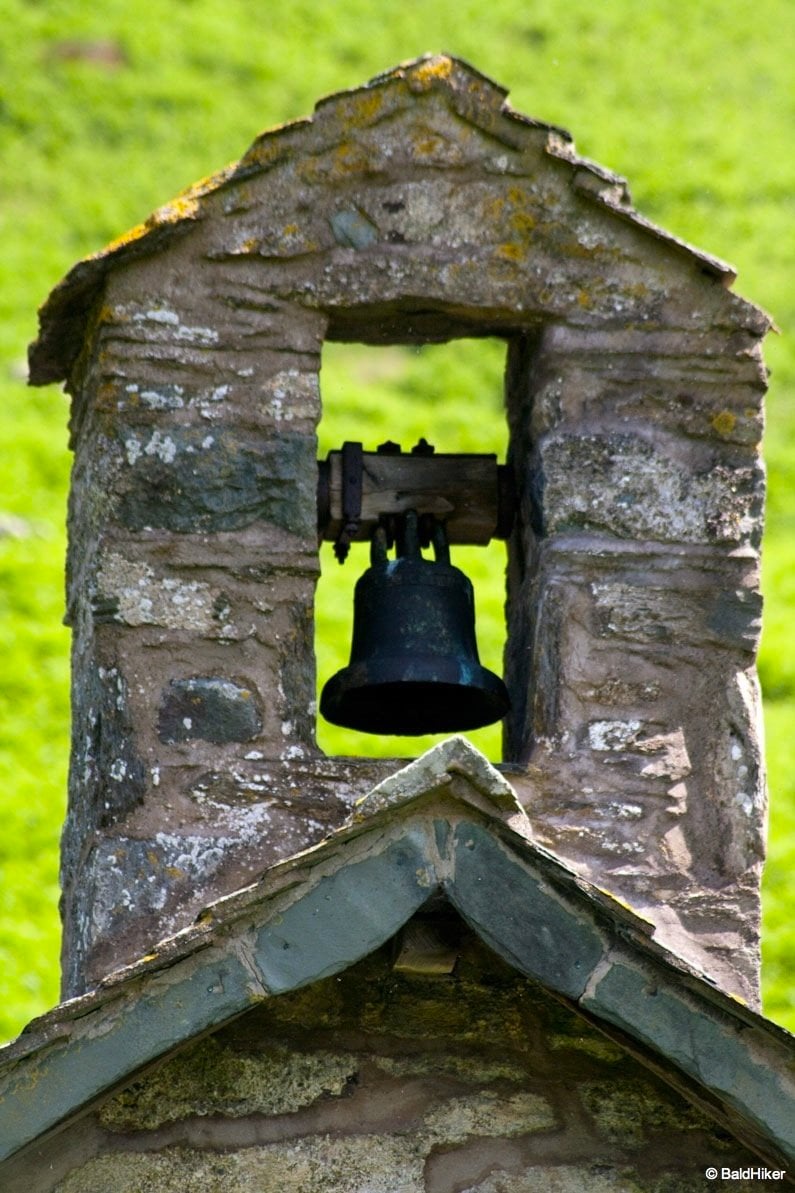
pixel 352 461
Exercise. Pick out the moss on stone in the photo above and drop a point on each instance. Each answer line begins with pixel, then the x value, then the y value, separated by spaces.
pixel 489 1113
pixel 628 1113
pixel 212 1079
pixel 467 1067
pixel 377 1163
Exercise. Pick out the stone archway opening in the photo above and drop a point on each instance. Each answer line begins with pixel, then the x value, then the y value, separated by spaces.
pixel 452 394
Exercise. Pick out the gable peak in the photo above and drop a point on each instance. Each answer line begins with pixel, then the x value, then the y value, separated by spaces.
pixel 455 769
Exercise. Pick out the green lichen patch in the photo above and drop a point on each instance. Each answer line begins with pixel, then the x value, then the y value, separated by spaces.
pixel 591 1043
pixel 376 1163
pixel 466 1067
pixel 212 1079
pixel 489 1113
pixel 628 1113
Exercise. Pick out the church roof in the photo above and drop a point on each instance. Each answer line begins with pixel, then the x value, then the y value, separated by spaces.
pixel 449 823
pixel 474 98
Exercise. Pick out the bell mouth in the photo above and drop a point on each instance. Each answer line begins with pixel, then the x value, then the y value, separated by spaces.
pixel 434 697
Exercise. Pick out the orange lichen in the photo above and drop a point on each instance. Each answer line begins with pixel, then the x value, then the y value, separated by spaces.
pixel 724 423
pixel 518 196
pixel 183 207
pixel 584 299
pixel 523 222
pixel 136 233
pixel 362 109
pixel 511 251
pixel 312 169
pixel 428 146
pixel 349 158
pixel 427 73
pixel 264 152
pixel 107 394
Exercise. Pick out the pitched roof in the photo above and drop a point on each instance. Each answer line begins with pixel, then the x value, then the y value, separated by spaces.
pixel 448 821
pixel 479 100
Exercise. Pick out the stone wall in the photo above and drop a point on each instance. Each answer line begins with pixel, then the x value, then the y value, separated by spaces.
pixel 418 208
pixel 639 563
pixel 388 1081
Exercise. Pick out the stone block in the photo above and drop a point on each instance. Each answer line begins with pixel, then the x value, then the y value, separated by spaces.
pixel 379 1164
pixel 629 486
pixel 364 905
pixel 561 944
pixel 706 1047
pixel 209 1078
pixel 193 480
pixel 209 708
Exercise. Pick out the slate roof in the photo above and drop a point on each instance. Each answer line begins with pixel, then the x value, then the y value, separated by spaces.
pixel 64 315
pixel 448 821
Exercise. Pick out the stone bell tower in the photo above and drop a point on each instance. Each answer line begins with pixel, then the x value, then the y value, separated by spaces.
pixel 417 208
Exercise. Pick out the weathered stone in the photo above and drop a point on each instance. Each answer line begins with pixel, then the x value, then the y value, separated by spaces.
pixel 213 709
pixel 489 1113
pixel 530 924
pixel 702 1046
pixel 647 612
pixel 150 1027
pixel 736 618
pixel 297 674
pixel 129 591
pixel 107 766
pixel 630 1122
pixel 363 905
pixel 193 480
pixel 211 1079
pixel 435 770
pixel 379 1164
pixel 149 875
pixel 474 1069
pixel 587 1178
pixel 353 229
pixel 627 486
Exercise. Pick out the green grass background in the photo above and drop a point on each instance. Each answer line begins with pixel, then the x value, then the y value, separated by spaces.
pixel 108 110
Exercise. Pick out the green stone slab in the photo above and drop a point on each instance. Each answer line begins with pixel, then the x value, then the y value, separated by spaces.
pixel 347 915
pixel 520 916
pixel 702 1043
pixel 43 1091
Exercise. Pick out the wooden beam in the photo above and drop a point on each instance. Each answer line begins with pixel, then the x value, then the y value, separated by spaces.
pixel 469 493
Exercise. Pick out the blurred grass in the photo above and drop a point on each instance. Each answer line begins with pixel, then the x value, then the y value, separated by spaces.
pixel 107 111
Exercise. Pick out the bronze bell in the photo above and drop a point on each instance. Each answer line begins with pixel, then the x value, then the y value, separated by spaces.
pixel 414 664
